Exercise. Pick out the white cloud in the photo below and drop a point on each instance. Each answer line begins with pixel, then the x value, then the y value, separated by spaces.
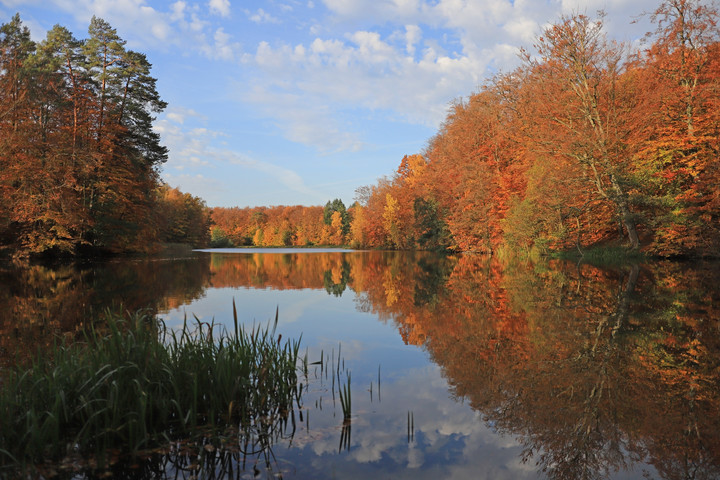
pixel 363 71
pixel 182 25
pixel 288 178
pixel 261 16
pixel 222 48
pixel 195 148
pixel 447 49
pixel 470 448
pixel 303 118
pixel 178 11
pixel 413 34
pixel 178 115
pixel 220 7
pixel 209 189
pixel 134 20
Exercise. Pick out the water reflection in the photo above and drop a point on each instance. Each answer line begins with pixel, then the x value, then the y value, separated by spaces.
pixel 40 301
pixel 555 370
pixel 594 371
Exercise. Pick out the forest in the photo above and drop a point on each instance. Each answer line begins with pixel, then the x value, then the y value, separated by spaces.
pixel 79 160
pixel 589 142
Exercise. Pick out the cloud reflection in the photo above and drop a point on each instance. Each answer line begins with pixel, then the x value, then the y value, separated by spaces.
pixel 450 440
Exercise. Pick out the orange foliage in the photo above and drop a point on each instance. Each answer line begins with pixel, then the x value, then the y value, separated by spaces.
pixel 277 226
pixel 581 145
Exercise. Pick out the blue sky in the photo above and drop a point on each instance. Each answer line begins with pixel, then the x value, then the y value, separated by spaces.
pixel 287 102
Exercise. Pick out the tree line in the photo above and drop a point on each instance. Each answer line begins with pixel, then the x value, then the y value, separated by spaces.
pixel 79 160
pixel 586 143
pixel 282 225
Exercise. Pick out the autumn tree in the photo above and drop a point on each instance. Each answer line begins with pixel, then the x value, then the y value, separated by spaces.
pixel 126 101
pixel 16 47
pixel 676 128
pixel 357 226
pixel 372 200
pixel 270 226
pixel 182 218
pixel 586 143
pixel 82 169
pixel 339 224
pixel 581 98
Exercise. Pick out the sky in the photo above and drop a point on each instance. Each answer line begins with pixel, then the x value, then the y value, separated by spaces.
pixel 297 102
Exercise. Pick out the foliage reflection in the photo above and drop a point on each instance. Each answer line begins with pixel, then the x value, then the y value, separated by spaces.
pixel 45 300
pixel 594 370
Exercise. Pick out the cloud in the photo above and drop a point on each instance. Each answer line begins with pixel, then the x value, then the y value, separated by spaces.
pixel 413 34
pixel 177 114
pixel 288 178
pixel 303 118
pixel 433 53
pixel 194 148
pixel 194 182
pixel 470 449
pixel 393 10
pixel 222 47
pixel 362 71
pixel 261 16
pixel 178 10
pixel 144 24
pixel 220 7
pixel 182 24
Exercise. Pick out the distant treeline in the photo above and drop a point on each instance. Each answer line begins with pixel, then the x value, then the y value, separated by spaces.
pixel 79 159
pixel 587 142
pixel 282 225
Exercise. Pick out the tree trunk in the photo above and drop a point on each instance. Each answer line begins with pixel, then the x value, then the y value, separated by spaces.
pixel 625 213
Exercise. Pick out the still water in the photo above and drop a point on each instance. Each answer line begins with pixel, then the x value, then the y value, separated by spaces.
pixel 461 366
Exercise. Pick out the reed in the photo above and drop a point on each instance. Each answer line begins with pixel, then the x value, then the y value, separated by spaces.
pixel 133 383
pixel 345 398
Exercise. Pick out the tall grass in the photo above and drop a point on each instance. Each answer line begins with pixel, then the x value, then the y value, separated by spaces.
pixel 133 383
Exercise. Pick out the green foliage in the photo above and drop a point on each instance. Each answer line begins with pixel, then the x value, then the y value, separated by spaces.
pixel 333 288
pixel 432 231
pixel 337 205
pixel 218 239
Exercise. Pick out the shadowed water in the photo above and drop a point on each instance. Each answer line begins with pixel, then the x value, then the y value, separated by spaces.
pixel 461 366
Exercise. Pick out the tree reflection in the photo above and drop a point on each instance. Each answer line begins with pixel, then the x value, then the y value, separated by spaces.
pixel 593 370
pixel 41 301
pixel 336 280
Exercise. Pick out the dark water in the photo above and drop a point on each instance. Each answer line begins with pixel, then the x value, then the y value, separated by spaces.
pixel 461 367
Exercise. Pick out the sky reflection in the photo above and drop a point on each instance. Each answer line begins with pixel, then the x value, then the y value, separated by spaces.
pixel 450 440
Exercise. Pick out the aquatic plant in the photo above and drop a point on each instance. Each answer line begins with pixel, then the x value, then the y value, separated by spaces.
pixel 131 384
pixel 345 398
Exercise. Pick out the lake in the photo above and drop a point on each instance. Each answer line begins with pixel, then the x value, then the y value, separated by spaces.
pixel 461 366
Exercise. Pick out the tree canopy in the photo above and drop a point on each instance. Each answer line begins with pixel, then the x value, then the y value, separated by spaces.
pixel 586 143
pixel 79 159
